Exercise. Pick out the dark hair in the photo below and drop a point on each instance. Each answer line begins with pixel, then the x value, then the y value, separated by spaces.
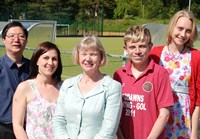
pixel 40 50
pixel 14 24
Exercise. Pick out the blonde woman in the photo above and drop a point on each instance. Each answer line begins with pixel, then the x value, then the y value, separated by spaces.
pixel 89 105
pixel 182 62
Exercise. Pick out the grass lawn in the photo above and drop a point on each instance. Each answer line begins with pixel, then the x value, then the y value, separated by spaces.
pixel 112 45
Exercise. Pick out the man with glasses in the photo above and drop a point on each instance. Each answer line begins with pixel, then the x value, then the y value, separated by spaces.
pixel 14 68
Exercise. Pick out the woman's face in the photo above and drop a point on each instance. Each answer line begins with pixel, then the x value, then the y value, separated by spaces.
pixel 182 31
pixel 89 60
pixel 48 63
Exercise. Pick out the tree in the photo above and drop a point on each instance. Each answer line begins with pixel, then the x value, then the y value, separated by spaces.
pixel 109 6
pixel 93 9
pixel 123 8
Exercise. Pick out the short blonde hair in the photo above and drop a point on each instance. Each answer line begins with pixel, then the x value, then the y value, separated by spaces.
pixel 137 33
pixel 89 42
pixel 174 20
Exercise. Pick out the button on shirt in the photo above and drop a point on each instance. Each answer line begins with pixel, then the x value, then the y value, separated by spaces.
pixel 93 115
pixel 10 77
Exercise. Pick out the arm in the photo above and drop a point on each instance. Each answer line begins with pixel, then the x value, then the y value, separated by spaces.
pixel 119 133
pixel 59 122
pixel 195 122
pixel 18 112
pixel 112 113
pixel 159 124
pixel 195 84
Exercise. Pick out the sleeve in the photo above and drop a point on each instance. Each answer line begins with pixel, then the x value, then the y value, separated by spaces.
pixel 59 122
pixel 116 76
pixel 112 113
pixel 164 92
pixel 197 82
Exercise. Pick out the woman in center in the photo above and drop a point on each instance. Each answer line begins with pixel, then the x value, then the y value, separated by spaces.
pixel 89 104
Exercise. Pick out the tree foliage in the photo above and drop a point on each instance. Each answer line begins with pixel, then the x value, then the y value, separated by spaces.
pixel 86 9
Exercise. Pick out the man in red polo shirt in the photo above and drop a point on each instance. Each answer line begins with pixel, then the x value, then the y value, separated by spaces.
pixel 147 93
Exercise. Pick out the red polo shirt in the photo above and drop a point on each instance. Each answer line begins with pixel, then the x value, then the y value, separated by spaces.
pixel 142 99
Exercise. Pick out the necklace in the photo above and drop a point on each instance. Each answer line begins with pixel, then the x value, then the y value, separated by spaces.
pixel 174 57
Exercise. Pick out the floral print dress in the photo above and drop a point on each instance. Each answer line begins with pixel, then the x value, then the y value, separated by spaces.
pixel 179 68
pixel 39 115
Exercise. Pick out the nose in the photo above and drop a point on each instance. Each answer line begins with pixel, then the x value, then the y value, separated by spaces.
pixel 183 33
pixel 50 61
pixel 16 38
pixel 137 50
pixel 88 58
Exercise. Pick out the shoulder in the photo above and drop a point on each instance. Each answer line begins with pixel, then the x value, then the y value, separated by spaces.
pixel 124 68
pixel 195 52
pixel 111 83
pixel 156 50
pixel 158 69
pixel 1 63
pixel 195 56
pixel 155 53
pixel 119 70
pixel 26 61
pixel 70 81
pixel 23 89
pixel 23 85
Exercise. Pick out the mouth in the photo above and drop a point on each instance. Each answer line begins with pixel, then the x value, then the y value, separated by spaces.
pixel 50 68
pixel 137 57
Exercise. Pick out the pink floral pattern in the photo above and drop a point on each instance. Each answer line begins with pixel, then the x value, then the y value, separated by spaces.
pixel 179 124
pixel 39 116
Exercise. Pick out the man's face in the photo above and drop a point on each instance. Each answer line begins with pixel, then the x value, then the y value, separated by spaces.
pixel 15 41
pixel 138 51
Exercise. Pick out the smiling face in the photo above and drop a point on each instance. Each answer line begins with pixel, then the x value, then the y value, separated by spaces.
pixel 89 60
pixel 15 41
pixel 48 63
pixel 138 52
pixel 182 31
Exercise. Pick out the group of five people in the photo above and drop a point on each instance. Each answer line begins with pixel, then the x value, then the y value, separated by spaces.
pixel 156 95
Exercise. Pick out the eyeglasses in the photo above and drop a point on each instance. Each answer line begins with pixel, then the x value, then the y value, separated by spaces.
pixel 13 36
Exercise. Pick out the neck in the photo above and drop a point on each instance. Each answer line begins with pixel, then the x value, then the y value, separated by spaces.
pixel 44 80
pixel 92 77
pixel 16 58
pixel 137 70
pixel 175 48
pixel 142 66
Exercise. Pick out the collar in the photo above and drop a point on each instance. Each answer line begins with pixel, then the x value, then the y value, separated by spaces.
pixel 127 67
pixel 103 86
pixel 10 62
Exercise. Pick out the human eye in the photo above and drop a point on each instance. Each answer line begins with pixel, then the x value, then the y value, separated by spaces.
pixel 22 36
pixel 55 59
pixel 143 46
pixel 11 36
pixel 83 53
pixel 92 54
pixel 189 31
pixel 45 57
pixel 95 54
pixel 131 47
pixel 180 28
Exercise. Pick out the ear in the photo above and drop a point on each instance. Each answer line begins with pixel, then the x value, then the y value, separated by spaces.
pixel 3 40
pixel 150 45
pixel 124 46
